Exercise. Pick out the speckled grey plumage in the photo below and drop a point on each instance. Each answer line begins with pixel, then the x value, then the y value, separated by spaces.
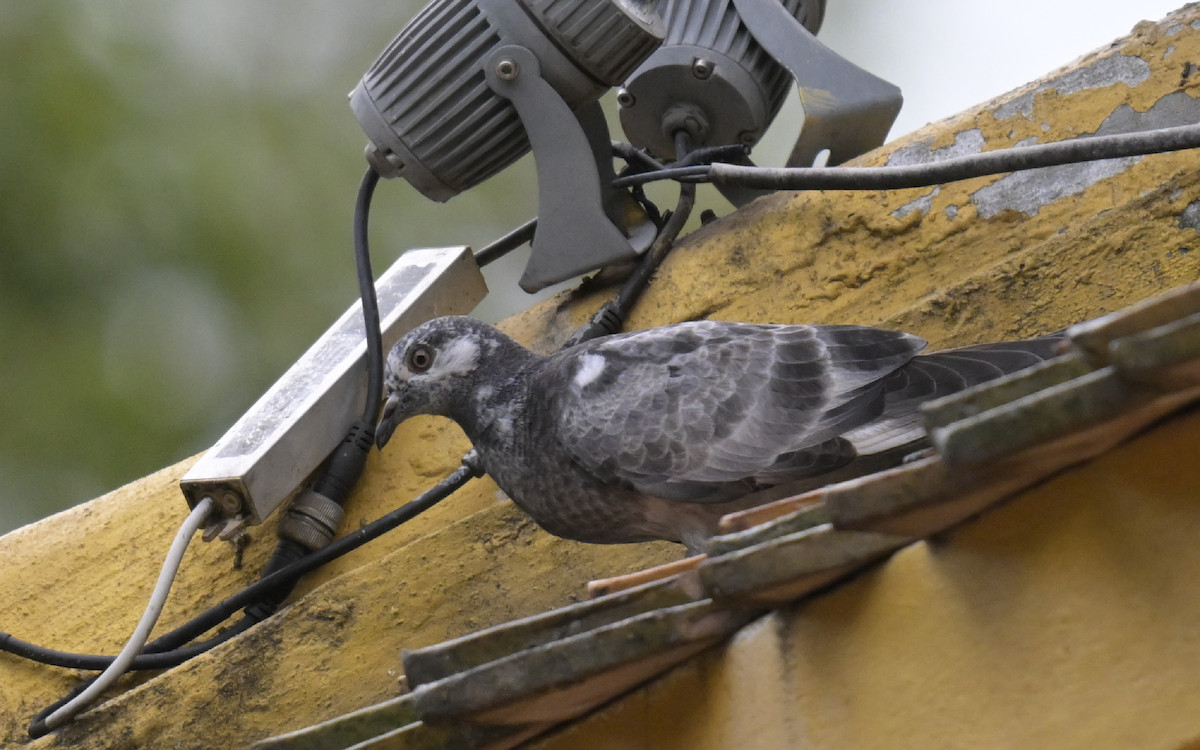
pixel 656 434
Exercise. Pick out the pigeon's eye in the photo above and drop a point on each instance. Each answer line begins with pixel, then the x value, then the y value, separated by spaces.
pixel 420 358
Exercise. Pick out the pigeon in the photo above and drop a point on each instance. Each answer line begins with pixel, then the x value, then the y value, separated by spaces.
pixel 656 434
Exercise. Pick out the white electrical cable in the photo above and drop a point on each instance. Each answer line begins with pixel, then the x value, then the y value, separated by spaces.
pixel 167 577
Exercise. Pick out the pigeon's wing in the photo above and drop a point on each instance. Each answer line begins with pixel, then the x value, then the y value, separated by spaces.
pixel 931 376
pixel 700 411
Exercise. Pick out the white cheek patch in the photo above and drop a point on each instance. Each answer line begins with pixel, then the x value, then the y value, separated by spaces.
pixel 397 373
pixel 590 368
pixel 459 357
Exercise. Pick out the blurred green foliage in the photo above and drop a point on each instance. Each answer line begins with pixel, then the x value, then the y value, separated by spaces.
pixel 176 188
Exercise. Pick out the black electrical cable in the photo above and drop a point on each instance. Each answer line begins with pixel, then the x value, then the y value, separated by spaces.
pixel 694 174
pixel 611 317
pixel 222 611
pixel 99 663
pixel 636 283
pixel 370 305
pixel 148 659
pixel 525 233
pixel 507 243
pixel 37 727
pixel 632 154
pixel 1086 148
pixel 734 152
pixel 636 161
pixel 348 460
pixel 648 206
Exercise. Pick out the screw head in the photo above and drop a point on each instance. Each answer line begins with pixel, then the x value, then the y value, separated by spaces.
pixel 230 502
pixel 625 100
pixel 507 69
pixel 702 69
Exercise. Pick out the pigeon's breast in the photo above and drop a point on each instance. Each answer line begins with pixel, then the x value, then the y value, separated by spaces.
pixel 532 467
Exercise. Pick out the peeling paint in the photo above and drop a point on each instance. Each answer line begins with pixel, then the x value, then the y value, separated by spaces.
pixel 1026 141
pixel 1167 54
pixel 1028 191
pixel 952 212
pixel 966 142
pixel 1107 71
pixel 922 204
pixel 1174 29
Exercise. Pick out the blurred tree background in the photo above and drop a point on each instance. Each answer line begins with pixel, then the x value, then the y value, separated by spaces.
pixel 177 181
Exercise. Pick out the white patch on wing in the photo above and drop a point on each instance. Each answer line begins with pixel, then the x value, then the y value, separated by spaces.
pixel 590 367
pixel 504 426
pixel 459 357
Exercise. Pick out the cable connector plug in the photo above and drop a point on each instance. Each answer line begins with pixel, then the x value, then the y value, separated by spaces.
pixel 607 321
pixel 314 516
pixel 346 463
pixel 311 521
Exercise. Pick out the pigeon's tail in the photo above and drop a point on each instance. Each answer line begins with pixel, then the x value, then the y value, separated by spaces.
pixel 931 376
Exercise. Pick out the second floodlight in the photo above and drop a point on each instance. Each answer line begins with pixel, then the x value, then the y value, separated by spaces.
pixel 723 73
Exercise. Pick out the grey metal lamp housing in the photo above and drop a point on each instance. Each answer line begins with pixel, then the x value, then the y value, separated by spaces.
pixel 725 68
pixel 469 86
pixel 710 67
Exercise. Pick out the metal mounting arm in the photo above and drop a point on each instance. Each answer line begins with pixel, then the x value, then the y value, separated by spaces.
pixel 576 231
pixel 846 109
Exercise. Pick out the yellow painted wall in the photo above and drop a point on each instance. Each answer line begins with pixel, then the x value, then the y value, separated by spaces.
pixel 79 580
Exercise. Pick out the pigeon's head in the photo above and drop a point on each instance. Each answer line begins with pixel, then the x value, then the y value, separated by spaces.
pixel 435 368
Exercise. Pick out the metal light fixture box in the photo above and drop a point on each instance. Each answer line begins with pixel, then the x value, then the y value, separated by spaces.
pixel 276 445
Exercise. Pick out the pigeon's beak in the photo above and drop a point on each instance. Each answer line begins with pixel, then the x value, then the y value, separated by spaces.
pixel 388 422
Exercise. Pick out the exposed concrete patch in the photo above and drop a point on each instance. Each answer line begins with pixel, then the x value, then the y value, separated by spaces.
pixel 1167 54
pixel 922 204
pixel 1028 191
pixel 1175 28
pixel 1176 108
pixel 1107 71
pixel 1026 141
pixel 952 212
pixel 1190 218
pixel 966 142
